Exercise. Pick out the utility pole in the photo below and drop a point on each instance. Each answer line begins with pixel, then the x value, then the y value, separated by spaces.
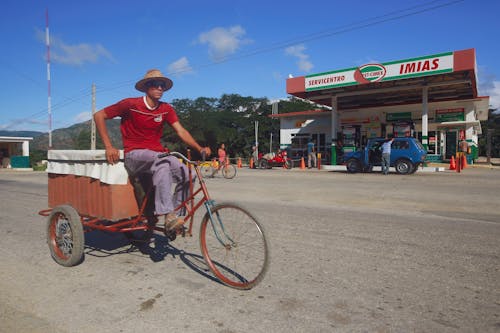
pixel 488 145
pixel 257 135
pixel 92 128
pixel 49 104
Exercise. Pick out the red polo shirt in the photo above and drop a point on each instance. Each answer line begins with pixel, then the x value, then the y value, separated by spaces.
pixel 141 127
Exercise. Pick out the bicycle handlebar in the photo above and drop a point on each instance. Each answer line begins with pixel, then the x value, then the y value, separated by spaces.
pixel 181 156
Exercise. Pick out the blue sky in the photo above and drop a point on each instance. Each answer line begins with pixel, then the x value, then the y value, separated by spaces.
pixel 211 48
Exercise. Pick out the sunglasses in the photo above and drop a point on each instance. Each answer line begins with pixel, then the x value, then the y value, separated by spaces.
pixel 156 84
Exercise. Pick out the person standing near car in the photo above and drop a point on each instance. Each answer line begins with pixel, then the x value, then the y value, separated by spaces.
pixel 386 154
pixel 142 123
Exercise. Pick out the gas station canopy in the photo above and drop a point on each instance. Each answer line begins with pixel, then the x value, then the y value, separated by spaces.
pixel 447 76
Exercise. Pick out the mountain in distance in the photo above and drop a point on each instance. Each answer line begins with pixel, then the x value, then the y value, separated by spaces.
pixel 23 134
pixel 71 137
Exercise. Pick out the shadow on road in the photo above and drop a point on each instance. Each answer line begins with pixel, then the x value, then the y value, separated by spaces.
pixel 104 244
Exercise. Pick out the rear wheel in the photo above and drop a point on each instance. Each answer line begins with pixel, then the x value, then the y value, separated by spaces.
pixel 353 165
pixel 65 236
pixel 404 166
pixel 234 247
pixel 207 171
pixel 229 171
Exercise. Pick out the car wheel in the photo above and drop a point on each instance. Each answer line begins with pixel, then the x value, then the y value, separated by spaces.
pixel 353 165
pixel 404 166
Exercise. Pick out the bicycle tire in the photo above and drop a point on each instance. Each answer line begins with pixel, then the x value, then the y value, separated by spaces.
pixel 65 236
pixel 207 171
pixel 229 171
pixel 243 264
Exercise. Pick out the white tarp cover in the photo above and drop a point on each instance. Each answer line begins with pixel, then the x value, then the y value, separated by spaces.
pixel 89 163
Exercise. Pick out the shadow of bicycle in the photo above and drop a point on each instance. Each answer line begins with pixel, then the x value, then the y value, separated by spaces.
pixel 105 244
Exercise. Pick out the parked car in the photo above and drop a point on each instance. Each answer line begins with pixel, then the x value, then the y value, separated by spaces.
pixel 406 155
pixel 280 159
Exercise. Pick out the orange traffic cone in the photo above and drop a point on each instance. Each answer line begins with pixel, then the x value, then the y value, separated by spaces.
pixel 464 161
pixel 239 162
pixel 251 163
pixel 453 165
pixel 302 163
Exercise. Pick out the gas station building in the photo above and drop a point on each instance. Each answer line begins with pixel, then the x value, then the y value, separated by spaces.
pixel 433 98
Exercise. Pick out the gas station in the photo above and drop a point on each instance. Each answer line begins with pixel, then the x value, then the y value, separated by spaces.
pixel 433 98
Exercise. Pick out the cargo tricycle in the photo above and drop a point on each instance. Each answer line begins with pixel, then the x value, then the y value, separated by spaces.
pixel 231 239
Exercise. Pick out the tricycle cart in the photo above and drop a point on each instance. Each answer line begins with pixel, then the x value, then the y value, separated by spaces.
pixel 86 193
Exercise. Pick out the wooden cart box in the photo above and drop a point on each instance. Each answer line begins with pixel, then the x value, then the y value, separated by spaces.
pixel 84 180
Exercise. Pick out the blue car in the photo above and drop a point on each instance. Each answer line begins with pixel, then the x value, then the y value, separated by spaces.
pixel 406 155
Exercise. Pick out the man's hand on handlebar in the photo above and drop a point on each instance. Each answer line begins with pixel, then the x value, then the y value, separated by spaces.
pixel 112 155
pixel 205 152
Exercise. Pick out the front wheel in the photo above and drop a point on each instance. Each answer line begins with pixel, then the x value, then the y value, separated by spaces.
pixel 229 171
pixel 65 236
pixel 288 164
pixel 234 246
pixel 353 165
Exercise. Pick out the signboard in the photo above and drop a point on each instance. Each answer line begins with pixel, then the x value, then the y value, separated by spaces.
pixel 398 116
pixel 444 115
pixel 395 70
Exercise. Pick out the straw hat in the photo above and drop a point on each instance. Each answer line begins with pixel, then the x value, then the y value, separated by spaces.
pixel 153 75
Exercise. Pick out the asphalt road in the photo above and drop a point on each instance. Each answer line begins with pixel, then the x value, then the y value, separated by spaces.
pixel 349 253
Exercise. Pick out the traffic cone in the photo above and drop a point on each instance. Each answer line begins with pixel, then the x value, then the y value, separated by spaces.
pixel 251 163
pixel 239 162
pixel 453 165
pixel 302 164
pixel 464 161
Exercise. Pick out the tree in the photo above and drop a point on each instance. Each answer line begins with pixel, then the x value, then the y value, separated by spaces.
pixel 490 127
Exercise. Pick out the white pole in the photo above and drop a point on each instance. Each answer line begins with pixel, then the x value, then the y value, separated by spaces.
pixel 49 106
pixel 92 124
pixel 271 144
pixel 256 135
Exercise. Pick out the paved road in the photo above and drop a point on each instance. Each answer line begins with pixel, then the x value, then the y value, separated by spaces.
pixel 350 253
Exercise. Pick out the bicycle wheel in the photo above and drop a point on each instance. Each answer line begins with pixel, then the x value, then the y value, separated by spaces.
pixel 207 170
pixel 234 246
pixel 65 236
pixel 229 171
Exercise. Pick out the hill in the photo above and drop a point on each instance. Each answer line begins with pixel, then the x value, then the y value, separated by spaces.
pixel 30 134
pixel 76 136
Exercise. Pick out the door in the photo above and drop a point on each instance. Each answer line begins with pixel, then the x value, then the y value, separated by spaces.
pixel 451 144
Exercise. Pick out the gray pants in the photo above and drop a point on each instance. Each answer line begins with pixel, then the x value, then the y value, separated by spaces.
pixel 386 162
pixel 311 160
pixel 165 171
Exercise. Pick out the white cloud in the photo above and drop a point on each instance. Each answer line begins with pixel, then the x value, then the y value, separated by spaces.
pixel 76 54
pixel 83 116
pixel 494 93
pixel 223 42
pixel 180 67
pixel 303 59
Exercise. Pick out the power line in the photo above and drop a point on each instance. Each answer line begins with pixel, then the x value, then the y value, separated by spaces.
pixel 362 24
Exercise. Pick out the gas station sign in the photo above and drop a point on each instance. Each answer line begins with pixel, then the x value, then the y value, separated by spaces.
pixel 395 70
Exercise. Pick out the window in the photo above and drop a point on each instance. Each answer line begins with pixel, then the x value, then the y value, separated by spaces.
pixel 400 145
